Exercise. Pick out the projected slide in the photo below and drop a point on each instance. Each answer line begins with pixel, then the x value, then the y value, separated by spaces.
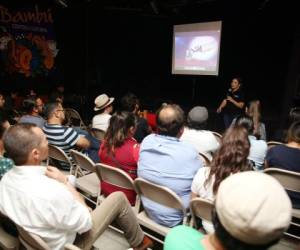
pixel 196 52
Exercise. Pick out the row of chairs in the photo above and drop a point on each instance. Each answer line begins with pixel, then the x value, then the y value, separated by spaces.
pixel 199 208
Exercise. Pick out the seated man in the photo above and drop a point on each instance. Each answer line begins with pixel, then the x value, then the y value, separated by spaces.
pixel 64 137
pixel 167 161
pixel 252 211
pixel 33 110
pixel 196 134
pixel 41 200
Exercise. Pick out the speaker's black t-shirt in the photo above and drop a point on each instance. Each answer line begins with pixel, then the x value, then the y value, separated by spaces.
pixel 238 96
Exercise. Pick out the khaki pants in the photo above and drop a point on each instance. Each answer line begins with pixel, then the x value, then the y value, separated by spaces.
pixel 114 208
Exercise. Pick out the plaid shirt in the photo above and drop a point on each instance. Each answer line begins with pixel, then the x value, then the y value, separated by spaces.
pixel 5 165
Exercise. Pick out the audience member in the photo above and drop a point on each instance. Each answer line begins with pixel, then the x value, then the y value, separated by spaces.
pixel 287 156
pixel 119 149
pixel 281 134
pixel 196 134
pixel 58 94
pixel 167 161
pixel 5 163
pixel 42 201
pixel 252 211
pixel 231 158
pixel 58 135
pixel 258 148
pixel 131 103
pixel 254 111
pixel 103 107
pixel 33 110
pixel 2 100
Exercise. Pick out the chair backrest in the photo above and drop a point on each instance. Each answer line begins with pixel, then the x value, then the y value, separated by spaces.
pixel 273 143
pixel 83 161
pixel 31 241
pixel 57 153
pixel 158 193
pixel 7 241
pixel 73 118
pixel 218 136
pixel 98 133
pixel 205 159
pixel 288 179
pixel 201 208
pixel 114 176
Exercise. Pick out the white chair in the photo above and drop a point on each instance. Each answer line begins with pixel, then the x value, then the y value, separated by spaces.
pixel 7 241
pixel 34 242
pixel 58 154
pixel 98 133
pixel 290 181
pixel 161 195
pixel 205 159
pixel 88 183
pixel 218 136
pixel 118 178
pixel 201 208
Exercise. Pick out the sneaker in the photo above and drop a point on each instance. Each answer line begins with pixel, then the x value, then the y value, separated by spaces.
pixel 146 243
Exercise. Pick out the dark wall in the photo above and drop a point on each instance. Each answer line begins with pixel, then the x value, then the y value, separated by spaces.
pixel 115 51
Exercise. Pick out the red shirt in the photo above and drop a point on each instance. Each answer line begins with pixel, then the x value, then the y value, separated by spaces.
pixel 125 158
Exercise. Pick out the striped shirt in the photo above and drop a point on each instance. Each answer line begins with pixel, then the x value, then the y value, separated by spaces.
pixel 61 136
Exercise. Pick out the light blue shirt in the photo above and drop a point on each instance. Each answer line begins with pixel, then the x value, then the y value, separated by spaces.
pixel 172 163
pixel 258 151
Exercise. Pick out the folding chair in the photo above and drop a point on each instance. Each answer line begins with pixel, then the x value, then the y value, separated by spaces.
pixel 88 183
pixel 7 241
pixel 34 242
pixel 290 181
pixel 273 143
pixel 161 195
pixel 201 208
pixel 218 136
pixel 205 159
pixel 98 133
pixel 58 154
pixel 118 178
pixel 74 119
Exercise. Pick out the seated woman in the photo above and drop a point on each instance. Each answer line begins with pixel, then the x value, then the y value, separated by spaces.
pixel 287 156
pixel 119 149
pixel 231 158
pixel 254 111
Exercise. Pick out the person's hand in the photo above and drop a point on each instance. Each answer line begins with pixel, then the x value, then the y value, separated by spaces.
pixel 229 98
pixel 54 173
pixel 219 110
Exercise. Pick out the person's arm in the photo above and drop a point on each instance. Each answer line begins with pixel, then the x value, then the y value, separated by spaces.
pixel 54 173
pixel 82 142
pixel 193 195
pixel 222 105
pixel 235 103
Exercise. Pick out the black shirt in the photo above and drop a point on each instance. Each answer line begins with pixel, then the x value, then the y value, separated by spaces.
pixel 142 130
pixel 238 96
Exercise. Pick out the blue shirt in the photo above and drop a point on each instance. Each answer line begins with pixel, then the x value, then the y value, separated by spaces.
pixel 169 162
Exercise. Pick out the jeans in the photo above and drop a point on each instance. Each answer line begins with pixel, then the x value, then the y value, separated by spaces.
pixel 114 208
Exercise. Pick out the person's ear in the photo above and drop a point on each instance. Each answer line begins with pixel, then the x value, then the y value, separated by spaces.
pixel 35 153
pixel 180 132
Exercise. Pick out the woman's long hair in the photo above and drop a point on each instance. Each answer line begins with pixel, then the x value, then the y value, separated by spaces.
pixel 255 114
pixel 118 129
pixel 231 157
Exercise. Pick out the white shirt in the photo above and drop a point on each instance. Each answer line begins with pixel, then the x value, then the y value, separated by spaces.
pixel 204 141
pixel 101 121
pixel 258 151
pixel 42 206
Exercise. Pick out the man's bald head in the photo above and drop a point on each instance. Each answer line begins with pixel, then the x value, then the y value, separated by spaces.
pixel 170 120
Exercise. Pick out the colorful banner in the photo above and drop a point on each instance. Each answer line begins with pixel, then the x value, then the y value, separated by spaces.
pixel 27 41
